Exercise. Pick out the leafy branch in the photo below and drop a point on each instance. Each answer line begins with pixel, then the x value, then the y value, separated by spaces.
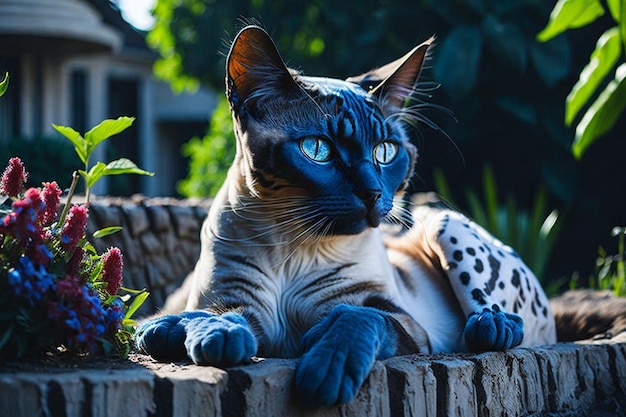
pixel 85 146
pixel 609 53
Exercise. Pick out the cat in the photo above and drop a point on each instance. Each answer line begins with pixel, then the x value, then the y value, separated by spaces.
pixel 294 259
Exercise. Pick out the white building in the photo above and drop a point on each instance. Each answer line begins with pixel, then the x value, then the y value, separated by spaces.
pixel 76 63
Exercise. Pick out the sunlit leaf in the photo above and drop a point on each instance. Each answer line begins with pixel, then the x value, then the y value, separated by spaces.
pixel 603 59
pixel 570 14
pixel 95 173
pixel 106 231
pixel 124 166
pixel 602 114
pixel 4 84
pixel 80 146
pixel 137 302
pixel 616 7
pixel 106 129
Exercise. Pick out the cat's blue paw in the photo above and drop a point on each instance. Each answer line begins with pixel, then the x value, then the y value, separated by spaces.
pixel 219 340
pixel 493 330
pixel 339 353
pixel 163 338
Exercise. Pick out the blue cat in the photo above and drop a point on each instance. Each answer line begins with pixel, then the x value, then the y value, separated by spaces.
pixel 295 262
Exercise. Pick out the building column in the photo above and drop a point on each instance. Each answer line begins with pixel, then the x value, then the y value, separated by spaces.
pixel 148 139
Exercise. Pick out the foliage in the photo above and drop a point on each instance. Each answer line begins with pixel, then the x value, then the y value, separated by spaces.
pixel 210 156
pixel 532 233
pixel 4 84
pixel 57 294
pixel 84 146
pixel 603 97
pixel 610 271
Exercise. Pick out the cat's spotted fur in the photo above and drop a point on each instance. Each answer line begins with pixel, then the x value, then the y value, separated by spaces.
pixel 294 263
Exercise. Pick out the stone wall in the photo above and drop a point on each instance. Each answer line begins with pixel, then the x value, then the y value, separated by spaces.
pixel 160 240
pixel 587 379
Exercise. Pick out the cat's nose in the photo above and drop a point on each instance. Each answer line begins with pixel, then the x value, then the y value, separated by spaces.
pixel 369 197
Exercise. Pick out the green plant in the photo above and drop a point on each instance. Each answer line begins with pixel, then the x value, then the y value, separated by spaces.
pixel 531 233
pixel 610 271
pixel 84 147
pixel 57 294
pixel 4 84
pixel 210 156
pixel 604 98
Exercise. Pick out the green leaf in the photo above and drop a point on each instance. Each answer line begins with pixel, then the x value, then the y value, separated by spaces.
pixel 602 114
pixel 106 231
pixel 458 60
pixel 137 302
pixel 603 58
pixel 125 166
pixel 95 173
pixel 617 9
pixel 105 130
pixel 80 146
pixel 4 84
pixel 570 14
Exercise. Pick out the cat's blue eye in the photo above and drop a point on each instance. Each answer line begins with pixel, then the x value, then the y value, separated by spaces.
pixel 385 152
pixel 317 149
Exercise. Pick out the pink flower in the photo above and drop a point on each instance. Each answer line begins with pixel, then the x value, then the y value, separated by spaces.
pixel 13 178
pixel 112 267
pixel 51 195
pixel 74 227
pixel 21 222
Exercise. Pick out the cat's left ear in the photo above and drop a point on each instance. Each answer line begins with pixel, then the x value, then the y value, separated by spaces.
pixel 394 82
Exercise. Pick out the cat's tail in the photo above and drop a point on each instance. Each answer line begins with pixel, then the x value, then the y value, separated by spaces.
pixel 588 314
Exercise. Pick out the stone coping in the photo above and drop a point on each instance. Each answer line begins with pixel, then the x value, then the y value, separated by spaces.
pixel 566 379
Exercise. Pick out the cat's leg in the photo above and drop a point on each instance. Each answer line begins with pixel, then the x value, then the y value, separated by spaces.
pixel 482 272
pixel 340 351
pixel 205 338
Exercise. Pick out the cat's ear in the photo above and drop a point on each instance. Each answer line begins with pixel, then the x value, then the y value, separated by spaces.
pixel 395 81
pixel 254 67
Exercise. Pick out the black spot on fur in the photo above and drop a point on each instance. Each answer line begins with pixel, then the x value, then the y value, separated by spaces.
pixel 494 264
pixel 533 309
pixel 515 279
pixel 478 266
pixel 465 278
pixel 501 285
pixel 471 251
pixel 453 240
pixel 545 311
pixel 457 255
pixel 452 265
pixel 538 300
pixel 503 303
pixel 479 296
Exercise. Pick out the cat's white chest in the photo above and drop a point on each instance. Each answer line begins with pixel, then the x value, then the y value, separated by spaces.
pixel 316 278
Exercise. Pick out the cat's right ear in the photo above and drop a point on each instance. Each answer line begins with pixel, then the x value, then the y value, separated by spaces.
pixel 255 68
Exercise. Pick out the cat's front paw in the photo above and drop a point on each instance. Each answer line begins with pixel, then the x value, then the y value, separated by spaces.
pixel 219 340
pixel 493 330
pixel 339 353
pixel 163 337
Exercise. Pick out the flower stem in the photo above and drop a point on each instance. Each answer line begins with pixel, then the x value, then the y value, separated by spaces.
pixel 70 194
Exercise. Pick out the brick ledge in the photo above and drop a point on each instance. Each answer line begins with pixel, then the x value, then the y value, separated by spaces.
pixel 565 379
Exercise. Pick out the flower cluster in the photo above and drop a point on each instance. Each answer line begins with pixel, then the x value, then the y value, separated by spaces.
pixel 56 292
